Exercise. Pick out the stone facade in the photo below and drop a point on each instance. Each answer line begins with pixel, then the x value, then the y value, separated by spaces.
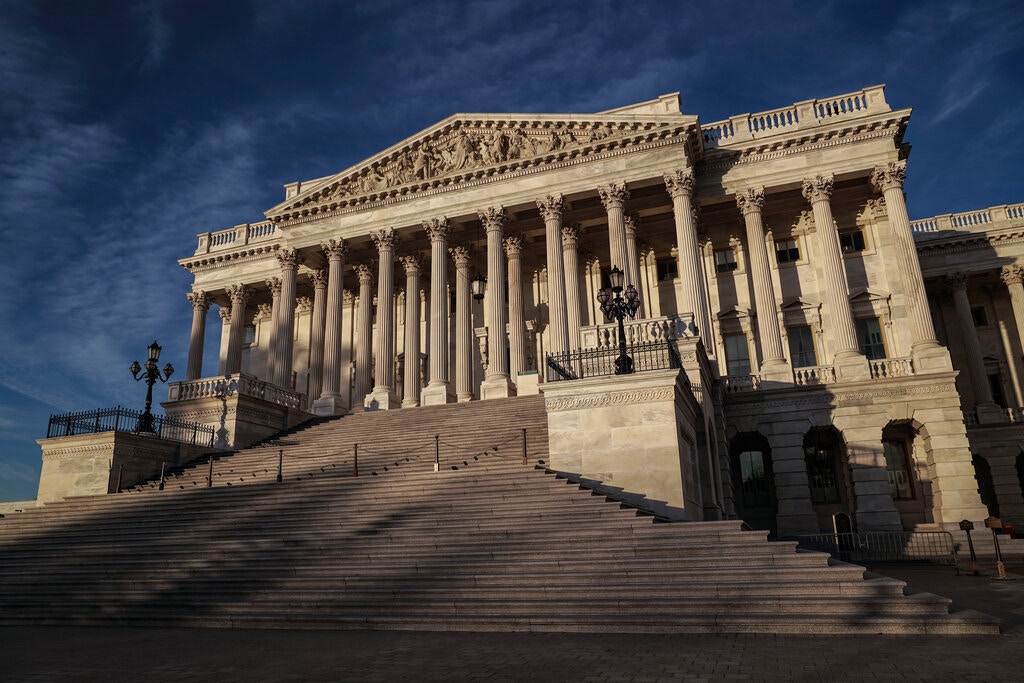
pixel 773 250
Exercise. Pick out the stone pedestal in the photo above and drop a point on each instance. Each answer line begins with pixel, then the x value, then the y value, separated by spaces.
pixel 499 386
pixel 851 366
pixel 436 395
pixel 331 405
pixel 383 398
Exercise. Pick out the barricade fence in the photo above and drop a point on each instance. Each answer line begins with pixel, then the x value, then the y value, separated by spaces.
pixel 936 547
pixel 129 421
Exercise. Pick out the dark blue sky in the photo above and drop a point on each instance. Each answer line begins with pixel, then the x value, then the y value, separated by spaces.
pixel 126 128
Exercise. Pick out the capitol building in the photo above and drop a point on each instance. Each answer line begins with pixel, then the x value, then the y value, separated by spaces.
pixel 805 354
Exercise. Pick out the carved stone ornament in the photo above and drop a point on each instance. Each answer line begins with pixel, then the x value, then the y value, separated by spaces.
pixel 750 200
pixel 411 263
pixel 348 297
pixel 1012 275
pixel 437 229
pixel 891 175
pixel 225 314
pixel 571 235
pixel 493 218
pixel 274 285
pixel 460 255
pixel 632 222
pixel 200 300
pixel 318 278
pixel 289 259
pixel 680 183
pixel 263 312
pixel 384 238
pixel 336 250
pixel 695 214
pixel 819 188
pixel 364 273
pixel 956 281
pixel 876 207
pixel 239 294
pixel 613 195
pixel 514 245
pixel 304 303
pixel 551 207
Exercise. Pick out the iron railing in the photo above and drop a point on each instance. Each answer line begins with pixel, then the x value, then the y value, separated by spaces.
pixel 126 420
pixel 884 546
pixel 654 355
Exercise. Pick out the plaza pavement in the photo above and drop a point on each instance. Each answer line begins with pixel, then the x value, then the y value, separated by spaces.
pixel 80 654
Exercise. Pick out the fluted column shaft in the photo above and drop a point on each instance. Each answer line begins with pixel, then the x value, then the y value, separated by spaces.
pixel 516 320
pixel 750 202
pixel 694 299
pixel 317 334
pixel 614 198
pixel 239 296
pixel 1013 278
pixel 364 328
pixel 225 334
pixel 631 224
pixel 411 388
pixel 331 373
pixel 463 326
pixel 818 191
pixel 889 179
pixel 274 285
pixel 497 342
pixel 200 305
pixel 570 254
pixel 551 209
pixel 957 283
pixel 285 320
pixel 385 349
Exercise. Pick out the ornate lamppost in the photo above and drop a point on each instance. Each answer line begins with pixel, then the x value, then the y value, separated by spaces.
pixel 618 308
pixel 150 373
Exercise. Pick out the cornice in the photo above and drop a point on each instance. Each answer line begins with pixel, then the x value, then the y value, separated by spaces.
pixel 213 260
pixel 610 399
pixel 965 242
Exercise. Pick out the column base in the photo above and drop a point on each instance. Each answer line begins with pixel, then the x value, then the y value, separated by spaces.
pixel 499 386
pixel 930 356
pixel 329 405
pixel 851 366
pixel 463 398
pixel 410 403
pixel 435 395
pixel 776 370
pixel 382 398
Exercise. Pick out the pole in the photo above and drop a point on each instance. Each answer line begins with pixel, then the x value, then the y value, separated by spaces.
pixel 974 557
pixel 120 471
pixel 280 465
pixel 355 462
pixel 999 557
pixel 623 364
pixel 437 453
pixel 163 477
pixel 524 445
pixel 209 476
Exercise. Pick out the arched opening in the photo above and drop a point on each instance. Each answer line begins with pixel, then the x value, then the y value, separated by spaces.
pixel 986 487
pixel 827 466
pixel 756 502
pixel 899 441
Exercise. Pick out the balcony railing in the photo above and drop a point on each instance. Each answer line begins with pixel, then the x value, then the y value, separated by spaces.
pixel 659 355
pixel 981 219
pixel 815 374
pixel 886 368
pixel 128 421
pixel 241 384
pixel 238 236
pixel 736 383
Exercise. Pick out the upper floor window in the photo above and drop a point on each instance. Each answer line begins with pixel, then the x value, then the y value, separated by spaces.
pixel 787 250
pixel 737 354
pixel 852 240
pixel 869 336
pixel 801 346
pixel 980 316
pixel 725 260
pixel 249 336
pixel 668 269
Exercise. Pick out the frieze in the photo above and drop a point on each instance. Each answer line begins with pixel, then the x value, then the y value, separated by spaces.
pixel 610 399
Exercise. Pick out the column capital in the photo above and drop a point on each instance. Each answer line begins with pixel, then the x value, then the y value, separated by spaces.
pixel 613 195
pixel 225 314
pixel 274 285
pixel 551 207
pixel 239 294
pixel 514 245
pixel 680 183
pixel 318 278
pixel 695 214
pixel 263 312
pixel 632 222
pixel 336 250
pixel 1012 275
pixel 891 175
pixel 750 200
pixel 461 256
pixel 956 281
pixel 384 238
pixel 289 259
pixel 493 218
pixel 438 229
pixel 199 299
pixel 411 263
pixel 818 188
pixel 348 297
pixel 304 303
pixel 364 273
pixel 571 235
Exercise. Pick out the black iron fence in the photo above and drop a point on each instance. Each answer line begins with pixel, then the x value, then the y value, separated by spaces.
pixel 936 547
pixel 126 420
pixel 655 355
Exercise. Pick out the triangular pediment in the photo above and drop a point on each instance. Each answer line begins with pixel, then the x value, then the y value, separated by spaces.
pixel 467 147
pixel 799 304
pixel 734 313
pixel 865 295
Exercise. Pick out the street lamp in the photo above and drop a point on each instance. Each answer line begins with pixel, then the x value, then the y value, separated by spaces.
pixel 478 285
pixel 617 309
pixel 151 375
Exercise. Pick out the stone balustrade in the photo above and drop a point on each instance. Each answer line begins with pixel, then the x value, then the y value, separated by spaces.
pixel 606 335
pixel 886 368
pixel 816 374
pixel 237 236
pixel 737 383
pixel 242 384
pixel 992 217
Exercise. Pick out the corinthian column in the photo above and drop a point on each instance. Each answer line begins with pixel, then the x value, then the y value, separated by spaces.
pixel 326 345
pixel 239 296
pixel 200 305
pixel 773 365
pixel 463 326
pixel 632 223
pixel 1013 278
pixel 225 333
pixel 570 253
pixel 411 397
pixel 614 198
pixel 516 321
pixel 318 278
pixel 985 407
pixel 927 352
pixel 496 383
pixel 551 209
pixel 383 397
pixel 285 320
pixel 850 363
pixel 364 330
pixel 692 290
pixel 437 390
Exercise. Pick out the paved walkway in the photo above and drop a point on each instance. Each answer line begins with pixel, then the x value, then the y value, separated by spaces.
pixel 40 654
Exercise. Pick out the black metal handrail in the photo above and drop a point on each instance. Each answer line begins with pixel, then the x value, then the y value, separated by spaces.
pixel 126 420
pixel 654 355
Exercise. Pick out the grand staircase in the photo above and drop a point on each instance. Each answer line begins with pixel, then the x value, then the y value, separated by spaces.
pixel 453 533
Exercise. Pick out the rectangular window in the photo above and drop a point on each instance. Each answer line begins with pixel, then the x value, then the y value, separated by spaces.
pixel 996 387
pixel 852 240
pixel 668 269
pixel 801 346
pixel 725 260
pixel 869 336
pixel 737 354
pixel 896 465
pixel 249 336
pixel 980 317
pixel 821 474
pixel 787 251
pixel 754 479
